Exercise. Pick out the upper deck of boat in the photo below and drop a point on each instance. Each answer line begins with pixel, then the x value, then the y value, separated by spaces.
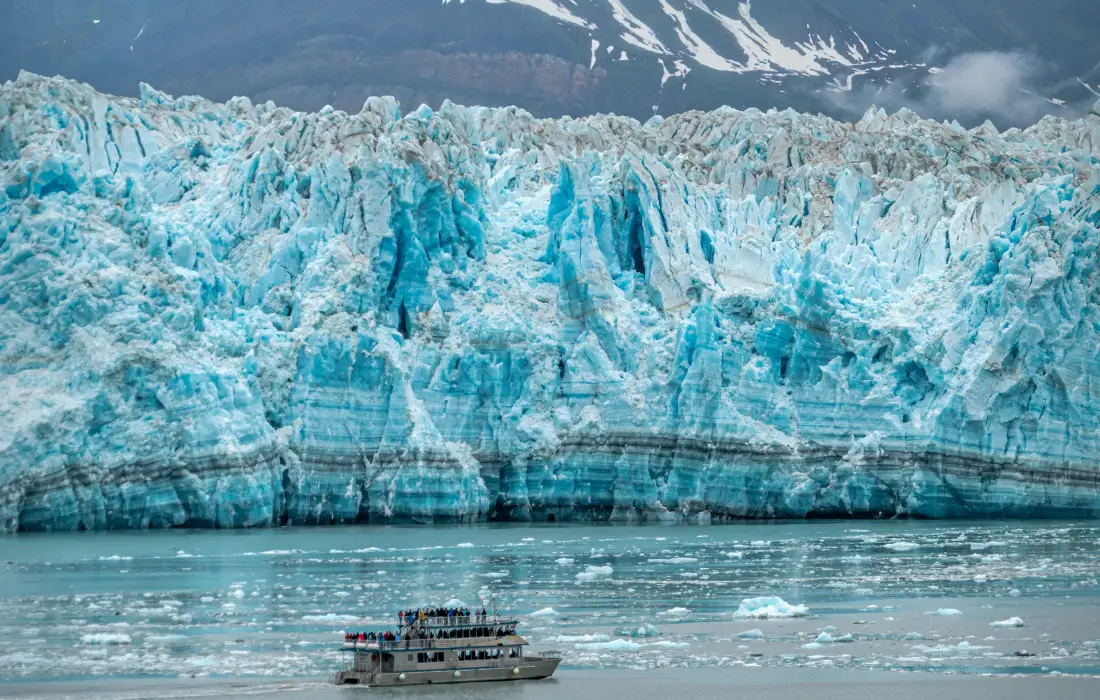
pixel 446 633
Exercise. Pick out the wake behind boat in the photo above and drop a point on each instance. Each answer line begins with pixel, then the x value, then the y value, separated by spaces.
pixel 442 645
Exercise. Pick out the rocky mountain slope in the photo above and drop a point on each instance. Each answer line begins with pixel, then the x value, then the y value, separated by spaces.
pixel 1010 61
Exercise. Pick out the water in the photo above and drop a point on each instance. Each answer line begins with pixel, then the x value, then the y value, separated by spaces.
pixel 123 613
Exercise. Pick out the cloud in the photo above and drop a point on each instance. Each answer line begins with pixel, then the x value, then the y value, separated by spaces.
pixel 1004 86
pixel 976 84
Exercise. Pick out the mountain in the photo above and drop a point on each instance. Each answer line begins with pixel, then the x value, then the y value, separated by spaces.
pixel 1010 61
pixel 232 315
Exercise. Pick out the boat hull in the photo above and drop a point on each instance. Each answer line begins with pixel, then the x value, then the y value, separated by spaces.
pixel 543 668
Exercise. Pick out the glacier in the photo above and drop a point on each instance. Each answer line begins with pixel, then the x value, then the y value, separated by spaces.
pixel 238 315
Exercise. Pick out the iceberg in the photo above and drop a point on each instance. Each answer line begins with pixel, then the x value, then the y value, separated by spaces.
pixel 223 315
pixel 1010 622
pixel 592 572
pixel 643 630
pixel 582 638
pixel 767 607
pixel 104 638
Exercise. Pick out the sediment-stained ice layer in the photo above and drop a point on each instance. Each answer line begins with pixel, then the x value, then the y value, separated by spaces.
pixel 231 315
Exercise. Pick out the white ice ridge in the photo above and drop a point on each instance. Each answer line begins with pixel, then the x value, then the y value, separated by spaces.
pixel 234 315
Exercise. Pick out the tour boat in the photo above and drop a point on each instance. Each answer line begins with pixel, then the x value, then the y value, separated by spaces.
pixel 435 649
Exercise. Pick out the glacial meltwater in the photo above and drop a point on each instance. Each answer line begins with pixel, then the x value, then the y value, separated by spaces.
pixel 174 613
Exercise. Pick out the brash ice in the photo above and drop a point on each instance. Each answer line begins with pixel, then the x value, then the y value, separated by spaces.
pixel 233 315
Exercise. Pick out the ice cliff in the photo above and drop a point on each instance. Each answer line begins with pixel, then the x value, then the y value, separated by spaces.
pixel 233 315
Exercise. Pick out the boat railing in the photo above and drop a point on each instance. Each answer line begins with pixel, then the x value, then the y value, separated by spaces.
pixel 457 621
pixel 411 643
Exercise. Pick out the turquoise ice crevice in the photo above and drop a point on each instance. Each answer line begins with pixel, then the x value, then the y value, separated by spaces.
pixel 237 315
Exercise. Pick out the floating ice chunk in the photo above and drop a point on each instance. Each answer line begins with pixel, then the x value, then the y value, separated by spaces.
pixel 1015 593
pixel 613 645
pixel 674 560
pixel 1010 622
pixel 765 607
pixel 454 603
pixel 902 546
pixel 330 617
pixel 945 612
pixel 579 638
pixel 545 612
pixel 465 545
pixel 115 557
pixel 978 546
pixel 646 630
pixel 105 638
pixel 564 561
pixel 675 612
pixel 914 636
pixel 750 634
pixel 864 591
pixel 824 638
pixel 627 645
pixel 943 649
pixel 591 573
pixel 154 639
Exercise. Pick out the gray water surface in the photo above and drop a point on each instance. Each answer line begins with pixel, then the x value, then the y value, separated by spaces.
pixel 116 614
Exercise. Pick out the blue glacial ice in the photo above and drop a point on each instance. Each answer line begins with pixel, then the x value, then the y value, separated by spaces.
pixel 234 315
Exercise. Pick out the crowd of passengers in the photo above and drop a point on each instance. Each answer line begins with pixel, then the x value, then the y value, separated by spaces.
pixel 442 616
pixel 436 623
pixel 420 634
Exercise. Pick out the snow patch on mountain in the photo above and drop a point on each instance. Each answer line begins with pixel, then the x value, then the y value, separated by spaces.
pixel 554 9
pixel 635 32
pixel 763 52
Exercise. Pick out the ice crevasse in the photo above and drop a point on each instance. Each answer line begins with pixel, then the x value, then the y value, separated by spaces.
pixel 234 315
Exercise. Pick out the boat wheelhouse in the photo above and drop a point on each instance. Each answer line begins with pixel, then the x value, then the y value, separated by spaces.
pixel 443 649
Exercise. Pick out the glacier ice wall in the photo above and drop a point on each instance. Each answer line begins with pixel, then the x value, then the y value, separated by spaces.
pixel 229 315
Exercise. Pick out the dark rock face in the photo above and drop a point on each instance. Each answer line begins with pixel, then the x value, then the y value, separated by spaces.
pixel 305 55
